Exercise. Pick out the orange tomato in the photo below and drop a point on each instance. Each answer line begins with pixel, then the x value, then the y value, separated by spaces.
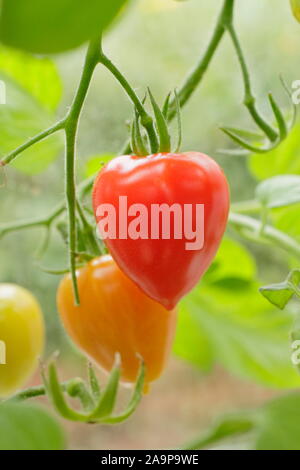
pixel 115 316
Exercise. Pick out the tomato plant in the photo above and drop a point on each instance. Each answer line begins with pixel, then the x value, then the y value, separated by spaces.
pixel 234 300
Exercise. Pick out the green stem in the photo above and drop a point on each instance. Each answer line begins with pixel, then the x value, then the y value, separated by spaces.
pixel 197 74
pixel 43 221
pixel 71 207
pixel 270 234
pixel 37 138
pixel 74 387
pixel 72 121
pixel 33 392
pixel 85 186
pixel 88 232
pixel 246 207
pixel 146 119
pixel 249 99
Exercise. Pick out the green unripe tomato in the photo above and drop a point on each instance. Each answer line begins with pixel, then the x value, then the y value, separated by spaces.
pixel 295 4
pixel 21 337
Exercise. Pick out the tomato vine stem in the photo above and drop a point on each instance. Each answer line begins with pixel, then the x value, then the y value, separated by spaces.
pixel 40 222
pixel 194 78
pixel 34 140
pixel 249 98
pixel 50 218
pixel 249 226
pixel 146 119
pixel 196 75
pixel 71 126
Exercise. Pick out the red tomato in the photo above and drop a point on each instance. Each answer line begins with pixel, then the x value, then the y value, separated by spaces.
pixel 164 268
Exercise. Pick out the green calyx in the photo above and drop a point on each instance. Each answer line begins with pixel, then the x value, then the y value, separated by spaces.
pixel 253 142
pixel 141 144
pixel 97 405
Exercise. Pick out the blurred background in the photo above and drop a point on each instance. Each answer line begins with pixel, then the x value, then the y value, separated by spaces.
pixel 155 44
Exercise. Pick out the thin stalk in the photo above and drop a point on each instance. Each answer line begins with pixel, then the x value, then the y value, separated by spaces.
pixel 91 61
pixel 43 221
pixel 37 138
pixel 246 207
pixel 270 234
pixel 249 99
pixel 146 119
pixel 33 392
pixel 195 77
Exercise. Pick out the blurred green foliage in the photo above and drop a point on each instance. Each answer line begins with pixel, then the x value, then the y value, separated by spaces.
pixel 29 427
pixel 54 25
pixel 225 320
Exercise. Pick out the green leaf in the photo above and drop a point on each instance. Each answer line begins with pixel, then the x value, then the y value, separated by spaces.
pixel 226 427
pixel 52 26
pixel 236 327
pixel 287 220
pixel 28 427
pixel 275 426
pixel 279 191
pixel 282 160
pixel 38 76
pixel 279 428
pixel 191 342
pixel 94 164
pixel 233 265
pixel 232 262
pixel 280 294
pixel 33 90
pixel 21 118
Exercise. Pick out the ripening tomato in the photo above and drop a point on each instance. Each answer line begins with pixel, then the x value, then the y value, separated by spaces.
pixel 21 337
pixel 114 316
pixel 176 208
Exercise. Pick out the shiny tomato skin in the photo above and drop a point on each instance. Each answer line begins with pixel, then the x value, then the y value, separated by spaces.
pixel 22 333
pixel 114 316
pixel 164 269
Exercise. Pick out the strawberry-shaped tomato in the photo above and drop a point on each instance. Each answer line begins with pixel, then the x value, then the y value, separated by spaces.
pixel 162 218
pixel 114 316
